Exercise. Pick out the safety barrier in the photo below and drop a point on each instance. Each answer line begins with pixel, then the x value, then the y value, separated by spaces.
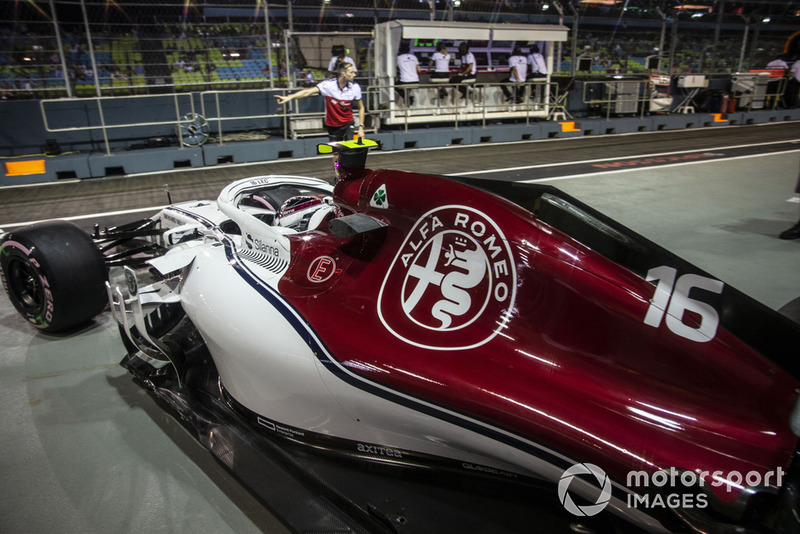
pixel 129 159
pixel 445 103
pixel 621 97
pixel 225 112
pixel 101 106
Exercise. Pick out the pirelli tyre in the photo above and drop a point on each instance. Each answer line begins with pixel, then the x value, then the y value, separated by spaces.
pixel 53 274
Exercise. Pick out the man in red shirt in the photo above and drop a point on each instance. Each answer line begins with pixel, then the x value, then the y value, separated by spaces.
pixel 340 94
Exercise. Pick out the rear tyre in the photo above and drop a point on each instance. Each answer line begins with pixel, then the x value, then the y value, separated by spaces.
pixel 53 274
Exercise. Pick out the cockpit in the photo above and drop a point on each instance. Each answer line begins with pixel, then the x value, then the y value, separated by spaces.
pixel 296 207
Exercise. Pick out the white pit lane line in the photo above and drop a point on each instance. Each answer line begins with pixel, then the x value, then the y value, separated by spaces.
pixel 615 170
pixel 4 227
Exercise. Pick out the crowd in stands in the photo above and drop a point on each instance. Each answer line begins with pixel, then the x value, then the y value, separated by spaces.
pixel 234 55
pixel 627 52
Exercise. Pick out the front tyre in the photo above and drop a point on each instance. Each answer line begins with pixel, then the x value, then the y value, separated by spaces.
pixel 53 274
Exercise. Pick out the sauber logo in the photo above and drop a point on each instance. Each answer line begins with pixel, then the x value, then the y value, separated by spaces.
pixel 452 282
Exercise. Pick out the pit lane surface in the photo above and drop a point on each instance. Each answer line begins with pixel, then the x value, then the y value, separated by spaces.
pixel 86 450
pixel 521 161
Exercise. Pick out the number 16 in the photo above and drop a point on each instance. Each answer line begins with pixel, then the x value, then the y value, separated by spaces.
pixel 676 295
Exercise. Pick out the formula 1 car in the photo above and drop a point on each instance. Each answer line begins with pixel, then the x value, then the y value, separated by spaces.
pixel 492 331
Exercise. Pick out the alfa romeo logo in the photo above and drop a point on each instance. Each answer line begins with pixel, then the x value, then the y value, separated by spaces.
pixel 590 509
pixel 452 282
pixel 133 285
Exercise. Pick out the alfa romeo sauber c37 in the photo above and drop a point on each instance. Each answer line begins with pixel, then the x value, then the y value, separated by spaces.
pixel 498 330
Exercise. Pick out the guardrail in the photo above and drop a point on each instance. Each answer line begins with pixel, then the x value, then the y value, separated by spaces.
pixel 104 126
pixel 426 103
pixel 219 117
pixel 748 92
pixel 387 107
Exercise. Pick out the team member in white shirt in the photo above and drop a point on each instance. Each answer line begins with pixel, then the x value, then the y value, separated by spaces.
pixel 466 73
pixel 440 61
pixel 538 69
pixel 518 70
pixel 408 68
pixel 536 61
pixel 779 63
pixel 340 94
pixel 774 83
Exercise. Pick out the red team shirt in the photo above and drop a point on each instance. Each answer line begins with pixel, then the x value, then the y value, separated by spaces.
pixel 338 102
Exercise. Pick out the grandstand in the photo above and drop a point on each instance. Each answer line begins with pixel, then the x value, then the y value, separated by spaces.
pixel 148 47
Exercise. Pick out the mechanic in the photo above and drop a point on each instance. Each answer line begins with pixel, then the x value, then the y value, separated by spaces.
pixel 466 73
pixel 408 69
pixel 340 93
pixel 518 68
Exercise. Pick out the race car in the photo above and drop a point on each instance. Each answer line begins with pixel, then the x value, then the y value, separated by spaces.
pixel 497 331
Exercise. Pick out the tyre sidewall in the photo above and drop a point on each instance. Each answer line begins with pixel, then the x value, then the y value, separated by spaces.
pixel 14 251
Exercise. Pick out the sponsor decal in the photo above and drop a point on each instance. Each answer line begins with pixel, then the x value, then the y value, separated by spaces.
pixel 321 269
pixel 490 470
pixel 380 199
pixel 377 450
pixel 170 218
pixel 283 430
pixel 256 244
pixel 453 281
pixel 133 285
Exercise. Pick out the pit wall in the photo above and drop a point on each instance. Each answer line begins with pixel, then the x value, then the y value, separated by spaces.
pixel 23 150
